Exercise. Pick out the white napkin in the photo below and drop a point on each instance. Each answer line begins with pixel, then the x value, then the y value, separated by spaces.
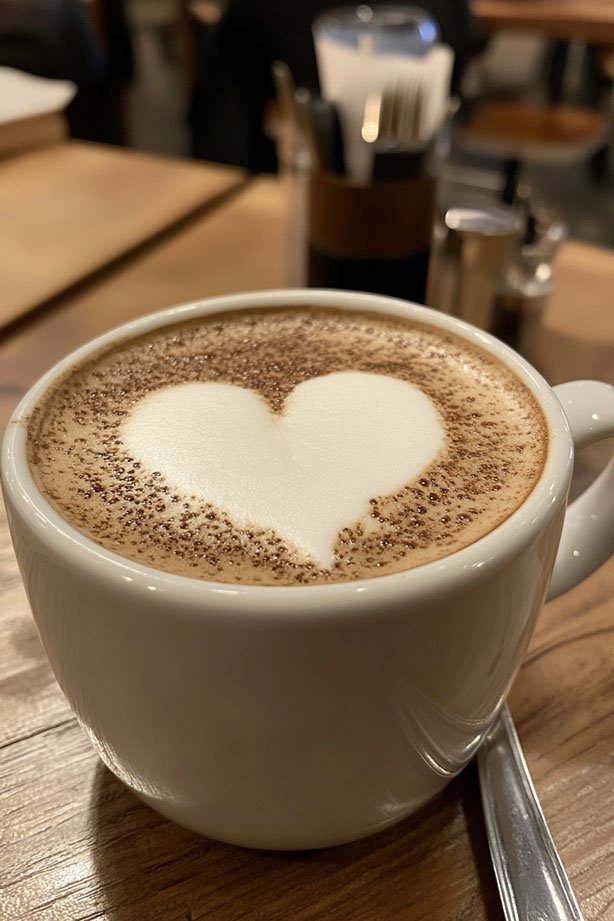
pixel 436 74
pixel 24 96
pixel 348 75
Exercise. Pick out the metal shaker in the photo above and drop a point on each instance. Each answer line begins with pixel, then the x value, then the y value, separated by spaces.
pixel 472 248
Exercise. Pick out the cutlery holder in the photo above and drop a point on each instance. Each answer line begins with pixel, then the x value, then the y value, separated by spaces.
pixel 374 238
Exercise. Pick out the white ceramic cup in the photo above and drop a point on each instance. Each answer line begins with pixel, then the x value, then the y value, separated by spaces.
pixel 298 717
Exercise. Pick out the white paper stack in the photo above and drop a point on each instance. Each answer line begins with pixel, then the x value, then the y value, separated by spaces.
pixel 30 109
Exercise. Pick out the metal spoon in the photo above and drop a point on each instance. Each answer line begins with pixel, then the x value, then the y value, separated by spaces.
pixel 532 881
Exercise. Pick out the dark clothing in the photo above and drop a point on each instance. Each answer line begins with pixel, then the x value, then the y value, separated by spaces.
pixel 233 82
pixel 56 39
pixel 50 39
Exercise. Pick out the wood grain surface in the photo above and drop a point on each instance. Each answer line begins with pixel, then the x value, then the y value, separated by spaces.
pixel 238 247
pixel 76 845
pixel 70 208
pixel 35 131
pixel 568 20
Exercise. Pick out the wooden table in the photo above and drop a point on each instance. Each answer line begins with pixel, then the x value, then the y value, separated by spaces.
pixel 76 845
pixel 73 208
pixel 567 20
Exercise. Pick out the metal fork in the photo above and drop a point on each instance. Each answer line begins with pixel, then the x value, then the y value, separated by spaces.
pixel 393 115
pixel 531 878
pixel 392 127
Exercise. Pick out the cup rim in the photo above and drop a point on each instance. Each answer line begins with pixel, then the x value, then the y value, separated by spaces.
pixel 488 553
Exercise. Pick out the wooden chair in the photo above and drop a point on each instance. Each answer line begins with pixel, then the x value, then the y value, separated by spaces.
pixel 524 132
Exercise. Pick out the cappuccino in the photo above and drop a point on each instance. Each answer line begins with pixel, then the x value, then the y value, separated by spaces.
pixel 288 446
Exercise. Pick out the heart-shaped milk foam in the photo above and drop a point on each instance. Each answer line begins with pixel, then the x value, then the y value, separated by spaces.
pixel 307 472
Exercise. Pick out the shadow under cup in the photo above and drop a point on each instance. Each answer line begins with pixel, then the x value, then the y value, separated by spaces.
pixel 282 717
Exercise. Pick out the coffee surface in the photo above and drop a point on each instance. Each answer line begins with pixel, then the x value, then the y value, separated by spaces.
pixel 288 446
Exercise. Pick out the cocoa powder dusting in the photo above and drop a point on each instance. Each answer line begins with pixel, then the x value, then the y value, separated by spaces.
pixel 496 444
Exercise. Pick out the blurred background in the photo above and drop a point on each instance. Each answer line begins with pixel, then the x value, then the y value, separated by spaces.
pixel 191 78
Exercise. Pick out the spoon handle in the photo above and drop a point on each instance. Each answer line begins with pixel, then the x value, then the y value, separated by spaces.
pixel 532 881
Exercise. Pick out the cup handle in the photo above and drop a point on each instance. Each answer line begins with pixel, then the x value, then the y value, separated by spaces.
pixel 587 539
